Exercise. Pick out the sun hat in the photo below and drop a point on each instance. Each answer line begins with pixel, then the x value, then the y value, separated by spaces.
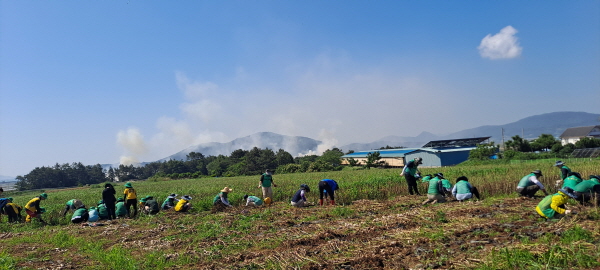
pixel 538 172
pixel 441 175
pixel 108 185
pixel 419 160
pixel 186 197
pixel 44 195
pixel 305 187
pixel 172 196
pixel 226 190
pixel 128 185
pixel 568 191
pixel 10 199
pixel 144 199
pixel 559 163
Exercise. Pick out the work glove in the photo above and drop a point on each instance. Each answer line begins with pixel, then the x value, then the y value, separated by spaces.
pixel 567 212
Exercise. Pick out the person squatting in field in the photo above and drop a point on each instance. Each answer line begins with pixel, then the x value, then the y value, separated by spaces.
pixel 329 186
pixel 221 201
pixel 463 190
pixel 411 173
pixel 267 184
pixel 572 180
pixel 553 206
pixel 13 211
pixel 150 205
pixel 184 204
pixel 588 190
pixel 80 215
pixel 530 184
pixel 170 202
pixel 299 198
pixel 564 170
pixel 120 209
pixel 72 205
pixel 33 209
pixel 435 191
pixel 253 201
pixel 445 184
pixel 130 197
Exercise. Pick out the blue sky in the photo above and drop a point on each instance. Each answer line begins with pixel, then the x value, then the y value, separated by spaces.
pixel 125 81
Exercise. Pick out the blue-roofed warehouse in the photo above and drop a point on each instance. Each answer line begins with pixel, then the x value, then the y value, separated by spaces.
pixel 434 153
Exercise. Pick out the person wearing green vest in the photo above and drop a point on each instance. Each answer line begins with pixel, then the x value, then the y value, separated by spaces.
pixel 72 205
pixel 564 170
pixel 151 206
pixel 411 173
pixel 221 202
pixel 266 181
pixel 463 190
pixel 253 200
pixel 120 208
pixel 530 184
pixel 170 202
pixel 426 178
pixel 552 206
pixel 588 189
pixel 102 211
pixel 435 192
pixel 445 183
pixel 572 180
pixel 80 215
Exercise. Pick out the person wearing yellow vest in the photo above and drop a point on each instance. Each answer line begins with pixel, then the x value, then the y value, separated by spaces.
pixel 33 209
pixel 13 211
pixel 130 197
pixel 184 204
pixel 552 206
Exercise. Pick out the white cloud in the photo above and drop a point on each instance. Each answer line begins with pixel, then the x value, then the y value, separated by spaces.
pixel 503 45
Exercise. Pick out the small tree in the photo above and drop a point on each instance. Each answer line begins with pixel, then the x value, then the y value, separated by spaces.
pixel 373 160
pixel 483 151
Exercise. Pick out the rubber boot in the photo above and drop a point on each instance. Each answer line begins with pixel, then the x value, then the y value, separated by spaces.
pixel 332 202
pixel 321 202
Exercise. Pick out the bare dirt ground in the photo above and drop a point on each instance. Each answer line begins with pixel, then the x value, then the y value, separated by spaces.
pixel 394 234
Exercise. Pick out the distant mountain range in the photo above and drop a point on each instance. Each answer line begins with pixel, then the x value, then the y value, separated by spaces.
pixel 528 128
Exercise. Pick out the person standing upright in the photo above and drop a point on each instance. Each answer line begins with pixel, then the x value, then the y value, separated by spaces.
pixel 130 197
pixel 267 184
pixel 108 196
pixel 411 173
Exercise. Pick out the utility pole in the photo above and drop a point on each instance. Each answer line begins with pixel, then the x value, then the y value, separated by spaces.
pixel 503 139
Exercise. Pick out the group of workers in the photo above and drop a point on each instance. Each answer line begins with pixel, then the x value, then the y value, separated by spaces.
pixel 552 206
pixel 109 207
pixel 571 185
pixel 438 187
pixel 438 190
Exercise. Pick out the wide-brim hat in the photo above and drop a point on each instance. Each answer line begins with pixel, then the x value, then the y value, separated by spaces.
pixel 559 163
pixel 226 190
pixel 128 185
pixel 538 172
pixel 44 195
pixel 173 195
pixel 569 192
pixel 144 199
pixel 186 197
pixel 441 175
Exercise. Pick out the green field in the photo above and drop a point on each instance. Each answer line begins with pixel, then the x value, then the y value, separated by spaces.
pixel 374 226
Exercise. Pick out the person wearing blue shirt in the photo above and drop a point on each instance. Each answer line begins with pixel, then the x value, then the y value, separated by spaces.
pixel 330 186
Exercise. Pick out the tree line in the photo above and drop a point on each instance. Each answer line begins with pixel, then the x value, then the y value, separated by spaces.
pixel 238 163
pixel 545 146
